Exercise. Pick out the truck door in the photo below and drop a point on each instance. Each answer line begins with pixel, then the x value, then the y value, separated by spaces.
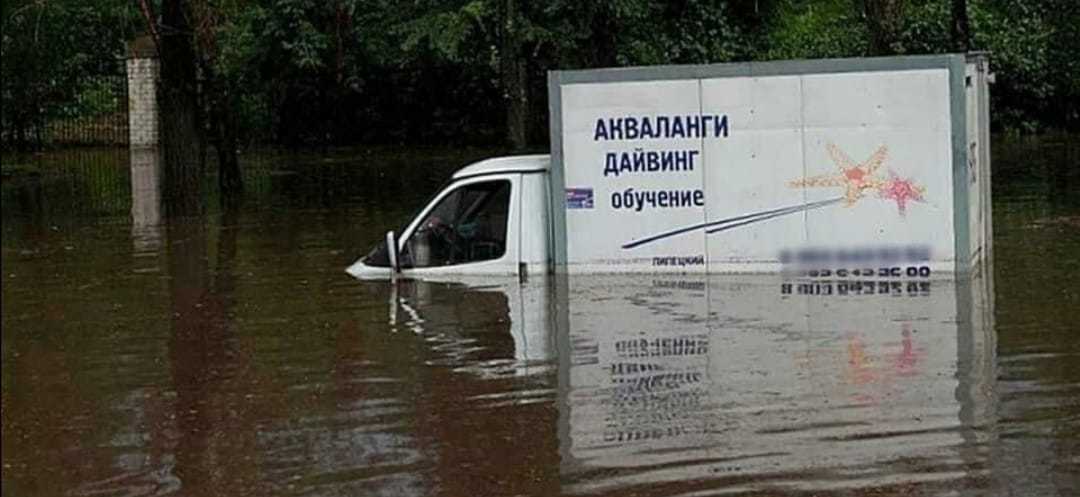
pixel 468 229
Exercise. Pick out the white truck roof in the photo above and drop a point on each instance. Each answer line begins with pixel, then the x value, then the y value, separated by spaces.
pixel 516 164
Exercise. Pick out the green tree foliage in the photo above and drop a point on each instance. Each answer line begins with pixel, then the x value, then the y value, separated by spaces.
pixel 50 51
pixel 303 72
pixel 1033 46
pixel 802 29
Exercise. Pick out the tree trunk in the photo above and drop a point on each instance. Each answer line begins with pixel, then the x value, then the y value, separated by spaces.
pixel 223 127
pixel 603 40
pixel 514 77
pixel 884 20
pixel 20 135
pixel 961 29
pixel 230 181
pixel 181 139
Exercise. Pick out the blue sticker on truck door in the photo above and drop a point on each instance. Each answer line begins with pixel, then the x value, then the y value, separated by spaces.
pixel 579 198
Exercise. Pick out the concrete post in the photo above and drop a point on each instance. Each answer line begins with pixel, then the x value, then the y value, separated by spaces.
pixel 142 77
pixel 146 177
pixel 143 133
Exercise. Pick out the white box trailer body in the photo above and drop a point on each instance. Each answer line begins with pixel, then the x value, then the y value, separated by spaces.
pixel 747 167
pixel 863 167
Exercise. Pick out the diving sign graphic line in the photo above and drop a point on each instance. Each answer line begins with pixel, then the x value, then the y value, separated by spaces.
pixel 734 222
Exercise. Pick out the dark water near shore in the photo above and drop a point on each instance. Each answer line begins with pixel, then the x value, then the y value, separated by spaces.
pixel 231 355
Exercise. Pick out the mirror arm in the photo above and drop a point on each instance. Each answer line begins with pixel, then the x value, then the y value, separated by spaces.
pixel 392 252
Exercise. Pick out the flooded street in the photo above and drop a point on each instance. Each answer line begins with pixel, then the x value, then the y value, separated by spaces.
pixel 231 355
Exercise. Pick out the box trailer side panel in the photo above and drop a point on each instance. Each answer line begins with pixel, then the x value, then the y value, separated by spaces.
pixel 852 165
pixel 978 158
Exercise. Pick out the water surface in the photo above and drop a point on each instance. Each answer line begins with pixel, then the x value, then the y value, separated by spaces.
pixel 231 355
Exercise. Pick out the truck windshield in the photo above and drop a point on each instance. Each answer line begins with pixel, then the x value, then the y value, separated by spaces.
pixel 467 225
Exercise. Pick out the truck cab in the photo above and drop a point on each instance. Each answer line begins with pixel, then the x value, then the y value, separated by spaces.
pixel 491 218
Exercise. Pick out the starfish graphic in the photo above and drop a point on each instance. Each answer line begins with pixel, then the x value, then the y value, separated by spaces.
pixel 900 190
pixel 856 179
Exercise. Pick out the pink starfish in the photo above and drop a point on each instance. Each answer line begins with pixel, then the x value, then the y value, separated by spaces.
pixel 901 190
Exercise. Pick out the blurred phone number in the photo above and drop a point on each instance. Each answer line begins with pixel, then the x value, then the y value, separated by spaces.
pixel 858 288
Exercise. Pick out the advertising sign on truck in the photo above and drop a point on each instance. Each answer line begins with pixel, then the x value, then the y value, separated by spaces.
pixel 842 164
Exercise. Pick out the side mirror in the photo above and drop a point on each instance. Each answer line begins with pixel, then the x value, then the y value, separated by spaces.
pixel 392 251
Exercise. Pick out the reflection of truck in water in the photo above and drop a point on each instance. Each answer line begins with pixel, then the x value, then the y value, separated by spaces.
pixel 721 378
pixel 724 378
pixel 854 165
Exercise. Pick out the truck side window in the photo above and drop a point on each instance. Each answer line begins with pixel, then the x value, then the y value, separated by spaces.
pixel 468 225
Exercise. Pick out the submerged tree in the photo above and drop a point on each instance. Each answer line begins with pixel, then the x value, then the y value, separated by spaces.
pixel 504 27
pixel 884 21
pixel 961 28
pixel 194 98
pixel 181 137
pixel 219 94
pixel 513 72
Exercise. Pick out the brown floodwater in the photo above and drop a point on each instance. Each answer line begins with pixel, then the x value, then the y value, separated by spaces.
pixel 231 355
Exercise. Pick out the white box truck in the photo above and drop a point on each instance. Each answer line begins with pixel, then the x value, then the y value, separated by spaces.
pixel 862 167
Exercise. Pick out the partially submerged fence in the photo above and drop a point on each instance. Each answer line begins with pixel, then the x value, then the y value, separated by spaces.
pixel 91 111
